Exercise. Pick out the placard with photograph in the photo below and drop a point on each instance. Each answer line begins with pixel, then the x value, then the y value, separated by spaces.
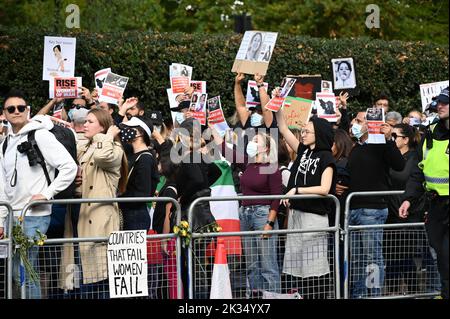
pixel 99 79
pixel 277 102
pixel 113 88
pixel 344 73
pixel 252 98
pixel 375 120
pixel 255 52
pixel 215 112
pixel 327 87
pixel 198 107
pixel 326 106
pixel 180 77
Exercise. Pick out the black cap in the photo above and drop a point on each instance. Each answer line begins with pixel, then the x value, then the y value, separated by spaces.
pixel 183 105
pixel 443 96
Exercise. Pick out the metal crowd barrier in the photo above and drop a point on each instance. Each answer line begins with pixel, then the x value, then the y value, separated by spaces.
pixel 249 234
pixel 404 245
pixel 6 267
pixel 105 239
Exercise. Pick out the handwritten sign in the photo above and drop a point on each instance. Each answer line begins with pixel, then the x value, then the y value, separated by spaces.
pixel 127 264
pixel 297 111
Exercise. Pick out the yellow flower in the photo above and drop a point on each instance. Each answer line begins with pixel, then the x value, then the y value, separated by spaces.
pixel 176 229
pixel 218 229
pixel 184 224
pixel 20 218
pixel 183 233
pixel 40 243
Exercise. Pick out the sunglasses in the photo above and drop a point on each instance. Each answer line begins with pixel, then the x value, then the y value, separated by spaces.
pixel 77 106
pixel 394 136
pixel 11 109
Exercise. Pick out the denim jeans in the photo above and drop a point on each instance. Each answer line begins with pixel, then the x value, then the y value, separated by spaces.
pixel 367 262
pixel 32 224
pixel 260 253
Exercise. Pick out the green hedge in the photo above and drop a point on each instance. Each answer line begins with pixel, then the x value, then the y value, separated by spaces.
pixel 394 68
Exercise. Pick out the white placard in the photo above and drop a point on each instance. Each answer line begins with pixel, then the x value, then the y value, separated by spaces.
pixel 430 90
pixel 252 98
pixel 59 57
pixel 113 88
pixel 99 79
pixel 257 46
pixel 326 106
pixel 127 264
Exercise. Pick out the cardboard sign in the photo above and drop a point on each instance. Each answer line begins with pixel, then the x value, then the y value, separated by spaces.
pixel 65 87
pixel 326 106
pixel 252 98
pixel 198 107
pixel 375 120
pixel 430 90
pixel 127 264
pixel 255 52
pixel 277 102
pixel 113 88
pixel 59 57
pixel 180 77
pixel 99 79
pixel 297 111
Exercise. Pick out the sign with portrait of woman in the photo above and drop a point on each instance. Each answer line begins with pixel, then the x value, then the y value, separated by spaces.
pixel 255 52
pixel 344 73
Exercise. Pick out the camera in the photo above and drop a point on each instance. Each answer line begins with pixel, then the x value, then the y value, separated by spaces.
pixel 29 150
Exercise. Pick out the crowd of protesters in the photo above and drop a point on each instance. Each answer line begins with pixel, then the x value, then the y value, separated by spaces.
pixel 129 150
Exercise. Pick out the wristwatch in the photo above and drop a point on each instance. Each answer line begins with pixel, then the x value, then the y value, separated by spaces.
pixel 270 223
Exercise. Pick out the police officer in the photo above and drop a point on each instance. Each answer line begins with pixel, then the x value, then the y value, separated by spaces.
pixel 432 176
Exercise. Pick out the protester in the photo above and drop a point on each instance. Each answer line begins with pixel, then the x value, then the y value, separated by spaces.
pixel 24 181
pixel 142 176
pixel 261 176
pixel 382 101
pixel 432 178
pixel 313 172
pixel 368 165
pixel 104 175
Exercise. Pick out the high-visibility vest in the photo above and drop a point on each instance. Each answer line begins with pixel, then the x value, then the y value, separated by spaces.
pixel 435 166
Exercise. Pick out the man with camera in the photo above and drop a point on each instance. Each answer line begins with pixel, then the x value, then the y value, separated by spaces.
pixel 432 177
pixel 23 176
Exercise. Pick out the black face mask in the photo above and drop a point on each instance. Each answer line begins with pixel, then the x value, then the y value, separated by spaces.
pixel 127 134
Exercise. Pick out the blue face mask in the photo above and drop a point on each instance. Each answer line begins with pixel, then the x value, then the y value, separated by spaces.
pixel 179 117
pixel 357 131
pixel 70 113
pixel 256 119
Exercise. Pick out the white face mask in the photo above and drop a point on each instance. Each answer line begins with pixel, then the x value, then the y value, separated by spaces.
pixel 252 149
pixel 357 131
pixel 256 119
pixel 179 117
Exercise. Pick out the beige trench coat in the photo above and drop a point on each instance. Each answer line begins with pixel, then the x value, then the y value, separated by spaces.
pixel 100 162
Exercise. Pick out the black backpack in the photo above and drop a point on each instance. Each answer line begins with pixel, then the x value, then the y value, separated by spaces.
pixel 66 137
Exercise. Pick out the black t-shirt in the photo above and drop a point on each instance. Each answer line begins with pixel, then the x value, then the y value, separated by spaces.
pixel 307 171
pixel 140 180
pixel 160 209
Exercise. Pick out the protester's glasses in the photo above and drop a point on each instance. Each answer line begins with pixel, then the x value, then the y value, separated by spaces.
pixel 394 136
pixel 306 132
pixel 11 109
pixel 77 106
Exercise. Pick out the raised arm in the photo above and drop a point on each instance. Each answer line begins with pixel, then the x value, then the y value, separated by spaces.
pixel 286 132
pixel 49 106
pixel 264 98
pixel 239 99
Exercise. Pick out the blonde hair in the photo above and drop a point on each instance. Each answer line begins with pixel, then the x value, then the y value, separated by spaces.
pixel 271 156
pixel 105 120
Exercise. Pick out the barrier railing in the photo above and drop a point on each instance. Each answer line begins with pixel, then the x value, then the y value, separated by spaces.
pixel 6 281
pixel 334 230
pixel 402 245
pixel 105 239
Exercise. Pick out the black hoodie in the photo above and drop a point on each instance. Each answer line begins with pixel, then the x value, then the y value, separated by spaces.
pixel 309 166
